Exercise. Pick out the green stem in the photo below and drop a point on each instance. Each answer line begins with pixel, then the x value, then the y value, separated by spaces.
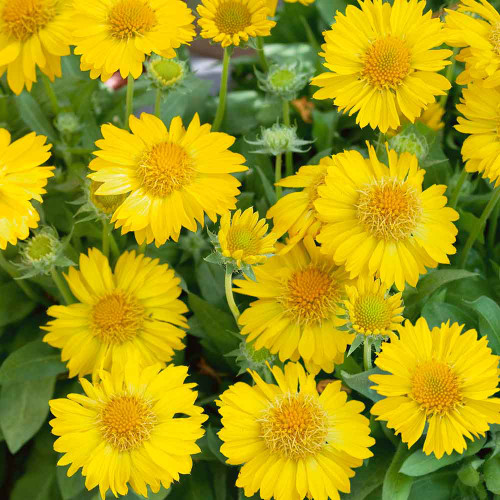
pixel 115 251
pixel 105 238
pixel 367 354
pixel 158 103
pixel 479 227
pixel 397 485
pixel 80 151
pixel 61 286
pixel 310 35
pixel 456 192
pixel 142 247
pixel 492 230
pixel 221 108
pixel 277 176
pixel 228 284
pixel 286 121
pixel 262 56
pixel 129 106
pixel 50 94
pixel 449 76
pixel 380 141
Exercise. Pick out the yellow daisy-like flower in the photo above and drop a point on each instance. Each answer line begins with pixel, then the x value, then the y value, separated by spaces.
pixel 131 312
pixel 229 22
pixel 243 237
pixel 480 39
pixel 379 221
pixel 298 302
pixel 481 149
pixel 22 179
pixel 381 63
pixel 294 213
pixel 370 308
pixel 443 378
pixel 116 35
pixel 33 33
pixel 292 442
pixel 173 177
pixel 432 117
pixel 134 427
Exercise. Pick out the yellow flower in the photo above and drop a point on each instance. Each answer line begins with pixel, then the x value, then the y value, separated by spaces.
pixel 297 307
pixel 295 213
pixel 370 308
pixel 381 63
pixel 116 35
pixel 22 179
pixel 33 33
pixel 291 441
pixel 243 237
pixel 432 117
pixel 229 22
pixel 131 312
pixel 128 430
pixel 379 221
pixel 174 176
pixel 481 149
pixel 479 35
pixel 442 378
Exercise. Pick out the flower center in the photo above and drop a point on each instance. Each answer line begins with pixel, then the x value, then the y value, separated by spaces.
pixel 165 168
pixel 242 239
pixel 117 317
pixel 386 62
pixel 282 78
pixel 389 210
pixel 129 18
pixel 24 18
pixel 40 246
pixel 435 387
pixel 494 37
pixel 167 72
pixel 371 315
pixel 294 426
pixel 126 421
pixel 310 295
pixel 105 203
pixel 232 17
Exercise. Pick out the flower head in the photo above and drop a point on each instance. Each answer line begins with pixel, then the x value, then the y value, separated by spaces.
pixel 166 74
pixel 381 64
pixel 285 80
pixel 279 139
pixel 443 378
pixel 131 312
pixel 308 442
pixel 118 34
pixel 377 219
pixel 22 179
pixel 173 177
pixel 229 22
pixel 298 302
pixel 132 427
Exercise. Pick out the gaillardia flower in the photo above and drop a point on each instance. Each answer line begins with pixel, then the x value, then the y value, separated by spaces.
pixel 116 35
pixel 33 33
pixel 134 426
pixel 481 149
pixel 378 221
pixel 443 378
pixel 479 35
pixel 243 237
pixel 131 312
pixel 173 177
pixel 22 179
pixel 230 22
pixel 292 442
pixel 381 64
pixel 299 299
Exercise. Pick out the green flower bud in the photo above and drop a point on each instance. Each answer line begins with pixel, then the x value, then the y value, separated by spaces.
pixel 410 143
pixel 285 80
pixel 166 74
pixel 67 123
pixel 193 244
pixel 247 357
pixel 279 139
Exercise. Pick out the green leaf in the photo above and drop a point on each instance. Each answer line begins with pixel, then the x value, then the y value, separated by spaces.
pixel 69 486
pixel 132 495
pixel 34 360
pixel 489 320
pixel 14 304
pixel 220 483
pixel 468 475
pixel 440 312
pixel 362 384
pixel 397 486
pixel 37 484
pixel 33 116
pixel 467 223
pixel 214 444
pixel 211 282
pixel 23 409
pixel 435 486
pixel 328 9
pixel 491 471
pixel 419 464
pixel 268 188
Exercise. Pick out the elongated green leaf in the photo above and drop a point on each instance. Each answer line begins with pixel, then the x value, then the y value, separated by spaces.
pixel 14 305
pixel 69 486
pixel 362 384
pixel 34 117
pixel 397 486
pixel 489 320
pixel 439 312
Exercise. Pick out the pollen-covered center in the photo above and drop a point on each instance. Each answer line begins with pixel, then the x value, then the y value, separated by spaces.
pixel 242 238
pixel 371 314
pixel 310 295
pixel 126 421
pixel 232 17
pixel 494 37
pixel 435 387
pixel 117 317
pixel 165 168
pixel 130 18
pixel 389 209
pixel 23 18
pixel 386 62
pixel 105 203
pixel 294 426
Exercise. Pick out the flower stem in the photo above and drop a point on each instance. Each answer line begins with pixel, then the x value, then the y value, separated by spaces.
pixel 61 286
pixel 286 121
pixel 380 141
pixel 105 238
pixel 449 76
pixel 221 108
pixel 50 94
pixel 142 247
pixel 458 187
pixel 277 176
pixel 262 56
pixel 228 282
pixel 479 226
pixel 158 102
pixel 367 354
pixel 395 483
pixel 492 230
pixel 129 105
pixel 115 251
